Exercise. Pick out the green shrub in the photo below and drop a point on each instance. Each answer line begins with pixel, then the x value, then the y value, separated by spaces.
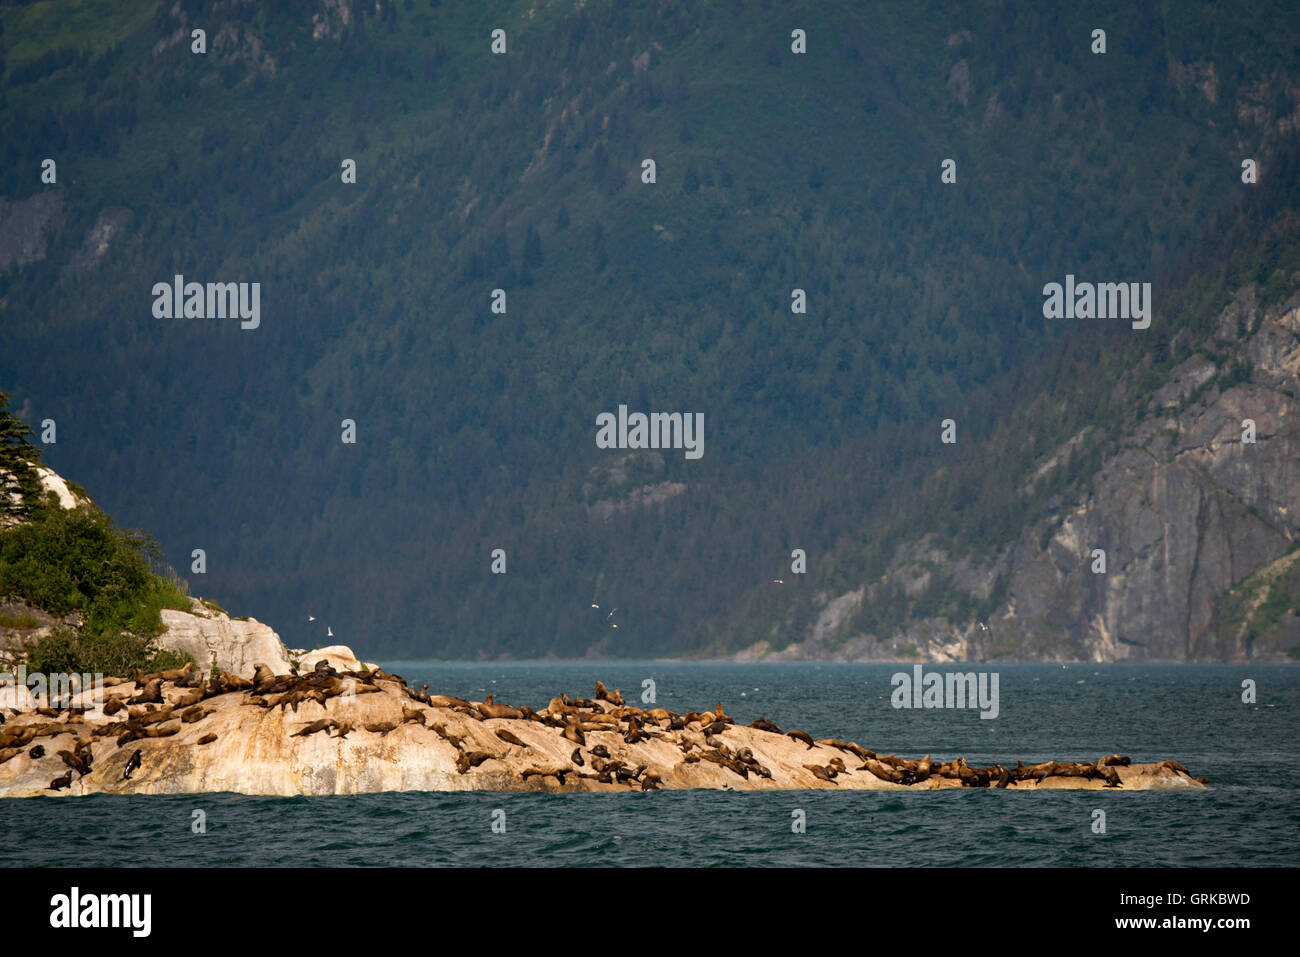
pixel 65 650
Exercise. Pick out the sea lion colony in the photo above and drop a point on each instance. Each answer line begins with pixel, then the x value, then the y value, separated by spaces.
pixel 574 744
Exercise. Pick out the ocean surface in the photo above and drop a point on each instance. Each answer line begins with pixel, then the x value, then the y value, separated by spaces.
pixel 1249 817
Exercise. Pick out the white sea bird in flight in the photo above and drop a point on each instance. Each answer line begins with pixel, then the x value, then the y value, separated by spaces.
pixel 311 617
pixel 329 632
pixel 611 614
pixel 594 605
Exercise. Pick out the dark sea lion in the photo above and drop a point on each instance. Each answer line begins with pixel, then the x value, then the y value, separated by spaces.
pixel 510 738
pixel 1202 780
pixel 801 736
pixel 635 736
pixel 1113 759
pixel 1175 766
pixel 207 739
pixel 651 781
pixel 1111 775
pixel 576 757
pixel 527 713
pixel 37 752
pixel 132 763
pixel 600 751
pixel 763 724
pixel 601 693
pixel 60 783
pixel 717 727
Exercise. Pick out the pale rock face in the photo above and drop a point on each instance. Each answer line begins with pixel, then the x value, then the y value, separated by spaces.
pixel 338 657
pixel 16 697
pixel 238 645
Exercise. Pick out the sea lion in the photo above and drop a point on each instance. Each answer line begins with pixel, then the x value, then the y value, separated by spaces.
pixel 76 762
pixel 576 757
pixel 717 727
pixel 573 732
pixel 342 728
pixel 324 724
pixel 801 736
pixel 152 693
pixel 37 752
pixel 191 715
pixel 651 781
pixel 490 709
pixel 381 727
pixel 1113 759
pixel 412 715
pixel 471 759
pixel 113 705
pixel 132 763
pixel 9 753
pixel 207 739
pixel 821 773
pixel 257 701
pixel 1175 766
pixel 510 738
pixel 600 751
pixel 263 678
pixel 60 783
pixel 854 749
pixel 763 724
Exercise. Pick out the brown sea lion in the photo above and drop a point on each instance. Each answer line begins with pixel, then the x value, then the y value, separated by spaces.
pixel 1113 759
pixel 342 728
pixel 510 738
pixel 471 759
pixel 576 757
pixel 60 783
pixel 76 762
pixel 801 736
pixel 8 754
pixel 414 715
pixel 651 781
pixel 323 724
pixel 490 709
pixel 113 705
pixel 600 751
pixel 763 724
pixel 821 773
pixel 573 732
pixel 1175 766
pixel 152 693
pixel 191 715
pixel 854 749
pixel 381 727
pixel 207 739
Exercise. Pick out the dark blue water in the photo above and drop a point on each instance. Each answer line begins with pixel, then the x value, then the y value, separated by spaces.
pixel 1249 817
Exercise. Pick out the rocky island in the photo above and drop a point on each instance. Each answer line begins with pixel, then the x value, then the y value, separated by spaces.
pixel 336 726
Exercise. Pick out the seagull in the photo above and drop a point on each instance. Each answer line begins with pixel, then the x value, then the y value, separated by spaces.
pixel 594 605
pixel 616 625
pixel 329 632
pixel 311 617
pixel 611 614
pixel 778 581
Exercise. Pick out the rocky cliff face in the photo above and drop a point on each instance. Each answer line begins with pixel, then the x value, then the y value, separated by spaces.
pixel 1198 525
pixel 210 636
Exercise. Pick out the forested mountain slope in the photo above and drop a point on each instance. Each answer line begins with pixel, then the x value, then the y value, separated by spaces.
pixel 522 172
